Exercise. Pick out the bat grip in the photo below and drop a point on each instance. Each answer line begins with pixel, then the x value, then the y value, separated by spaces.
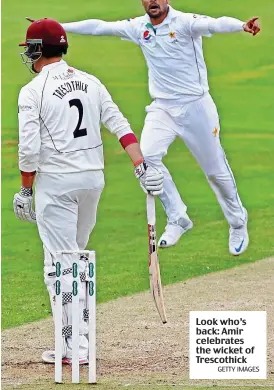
pixel 151 215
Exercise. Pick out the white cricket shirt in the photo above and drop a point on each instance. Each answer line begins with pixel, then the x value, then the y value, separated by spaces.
pixel 176 66
pixel 60 114
pixel 173 49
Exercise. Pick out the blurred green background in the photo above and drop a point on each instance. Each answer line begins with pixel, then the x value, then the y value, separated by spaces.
pixel 241 75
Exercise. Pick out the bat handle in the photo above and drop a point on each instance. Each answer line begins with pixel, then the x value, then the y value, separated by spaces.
pixel 151 214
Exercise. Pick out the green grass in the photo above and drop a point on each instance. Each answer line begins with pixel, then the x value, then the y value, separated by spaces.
pixel 241 74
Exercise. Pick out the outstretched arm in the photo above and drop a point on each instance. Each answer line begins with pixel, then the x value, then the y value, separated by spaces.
pixel 123 28
pixel 206 26
pixel 93 27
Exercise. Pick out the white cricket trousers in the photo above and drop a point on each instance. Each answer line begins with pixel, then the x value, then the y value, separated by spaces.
pixel 66 207
pixel 197 124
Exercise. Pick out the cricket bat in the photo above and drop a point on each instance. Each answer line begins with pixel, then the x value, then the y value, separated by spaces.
pixel 153 263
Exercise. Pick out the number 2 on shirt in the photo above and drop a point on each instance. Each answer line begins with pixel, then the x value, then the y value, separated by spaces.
pixel 78 132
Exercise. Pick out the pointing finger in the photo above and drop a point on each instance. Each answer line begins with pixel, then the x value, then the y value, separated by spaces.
pixel 254 19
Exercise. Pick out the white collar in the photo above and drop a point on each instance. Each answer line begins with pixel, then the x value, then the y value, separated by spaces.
pixel 172 13
pixel 48 67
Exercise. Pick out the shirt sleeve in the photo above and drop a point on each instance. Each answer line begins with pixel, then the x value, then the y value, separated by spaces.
pixel 29 131
pixel 111 116
pixel 123 28
pixel 200 25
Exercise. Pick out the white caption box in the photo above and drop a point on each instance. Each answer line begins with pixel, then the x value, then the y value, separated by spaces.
pixel 227 344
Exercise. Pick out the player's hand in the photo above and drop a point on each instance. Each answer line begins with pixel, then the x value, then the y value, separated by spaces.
pixel 252 26
pixel 22 206
pixel 151 179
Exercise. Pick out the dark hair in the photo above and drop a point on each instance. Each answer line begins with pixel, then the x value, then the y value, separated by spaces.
pixel 49 51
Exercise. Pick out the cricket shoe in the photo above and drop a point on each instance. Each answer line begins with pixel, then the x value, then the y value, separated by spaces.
pixel 238 239
pixel 49 358
pixel 174 231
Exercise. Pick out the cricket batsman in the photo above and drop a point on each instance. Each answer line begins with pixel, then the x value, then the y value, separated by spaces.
pixel 171 42
pixel 60 147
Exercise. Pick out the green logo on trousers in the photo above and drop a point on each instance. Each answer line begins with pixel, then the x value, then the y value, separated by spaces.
pixel 74 270
pixel 91 270
pixel 91 288
pixel 74 288
pixel 57 287
pixel 58 269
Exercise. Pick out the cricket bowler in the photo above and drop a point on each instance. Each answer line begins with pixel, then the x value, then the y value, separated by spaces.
pixel 182 106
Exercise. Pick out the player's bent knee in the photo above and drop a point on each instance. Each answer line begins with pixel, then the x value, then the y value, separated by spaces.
pixel 225 184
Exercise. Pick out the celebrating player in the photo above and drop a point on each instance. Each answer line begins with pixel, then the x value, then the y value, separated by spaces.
pixel 171 42
pixel 60 146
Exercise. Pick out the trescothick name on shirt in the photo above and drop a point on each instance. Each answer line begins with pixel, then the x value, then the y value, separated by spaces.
pixel 70 86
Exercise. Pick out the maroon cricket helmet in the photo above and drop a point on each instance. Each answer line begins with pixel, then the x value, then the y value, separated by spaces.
pixel 45 32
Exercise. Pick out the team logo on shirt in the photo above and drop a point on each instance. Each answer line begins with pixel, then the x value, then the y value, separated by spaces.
pixel 23 107
pixel 147 35
pixel 172 36
pixel 215 132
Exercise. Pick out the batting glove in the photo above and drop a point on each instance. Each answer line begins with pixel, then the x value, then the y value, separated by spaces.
pixel 22 205
pixel 151 179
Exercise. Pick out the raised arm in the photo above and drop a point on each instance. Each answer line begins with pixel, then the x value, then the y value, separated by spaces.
pixel 206 26
pixel 124 28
